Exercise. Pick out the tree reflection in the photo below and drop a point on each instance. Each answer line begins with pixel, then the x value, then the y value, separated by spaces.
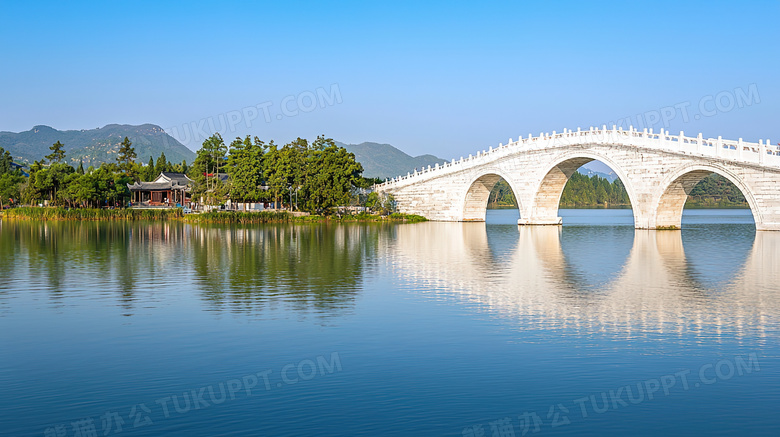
pixel 317 267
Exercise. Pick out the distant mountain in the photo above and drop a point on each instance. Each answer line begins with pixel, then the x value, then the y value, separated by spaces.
pixel 385 161
pixel 598 168
pixel 611 176
pixel 95 146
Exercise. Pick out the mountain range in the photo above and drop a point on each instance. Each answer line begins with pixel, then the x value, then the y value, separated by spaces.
pixel 385 161
pixel 95 146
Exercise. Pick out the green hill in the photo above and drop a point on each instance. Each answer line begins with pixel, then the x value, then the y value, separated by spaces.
pixel 95 146
pixel 384 160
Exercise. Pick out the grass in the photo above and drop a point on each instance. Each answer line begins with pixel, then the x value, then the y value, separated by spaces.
pixel 240 217
pixel 286 217
pixel 223 217
pixel 43 213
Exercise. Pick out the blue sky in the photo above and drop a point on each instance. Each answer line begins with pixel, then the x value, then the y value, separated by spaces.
pixel 445 78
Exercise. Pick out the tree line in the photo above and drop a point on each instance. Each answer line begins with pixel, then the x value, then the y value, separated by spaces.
pixel 309 176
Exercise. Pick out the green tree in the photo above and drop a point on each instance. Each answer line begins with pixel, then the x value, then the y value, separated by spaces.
pixel 287 169
pixel 57 152
pixel 10 188
pixel 126 158
pixel 49 180
pixel 209 163
pixel 6 162
pixel 601 195
pixel 275 179
pixel 147 174
pixel 162 165
pixel 245 167
pixel 372 201
pixel 331 176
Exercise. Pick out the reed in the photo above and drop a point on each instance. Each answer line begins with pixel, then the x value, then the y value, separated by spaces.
pixel 44 213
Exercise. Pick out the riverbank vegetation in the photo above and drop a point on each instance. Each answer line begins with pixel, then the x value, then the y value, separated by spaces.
pixel 59 213
pixel 224 217
pixel 288 217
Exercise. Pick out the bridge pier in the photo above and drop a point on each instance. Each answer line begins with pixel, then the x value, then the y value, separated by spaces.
pixel 553 221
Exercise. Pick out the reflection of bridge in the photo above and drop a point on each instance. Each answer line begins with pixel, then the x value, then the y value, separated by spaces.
pixel 658 170
pixel 656 288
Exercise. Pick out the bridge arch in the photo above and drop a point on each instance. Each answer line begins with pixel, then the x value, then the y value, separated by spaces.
pixel 476 197
pixel 675 188
pixel 543 207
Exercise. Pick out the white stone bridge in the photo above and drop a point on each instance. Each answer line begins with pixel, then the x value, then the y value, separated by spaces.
pixel 657 169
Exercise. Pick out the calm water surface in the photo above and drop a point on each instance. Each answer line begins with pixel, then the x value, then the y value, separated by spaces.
pixel 467 329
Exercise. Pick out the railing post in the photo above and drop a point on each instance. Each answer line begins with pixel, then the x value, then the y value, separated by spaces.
pixel 680 140
pixel 761 152
pixel 739 146
pixel 700 143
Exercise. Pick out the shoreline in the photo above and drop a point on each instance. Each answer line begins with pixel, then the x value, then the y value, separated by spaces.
pixel 176 214
pixel 692 206
pixel 240 217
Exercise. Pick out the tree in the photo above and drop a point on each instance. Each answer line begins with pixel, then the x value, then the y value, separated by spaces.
pixel 126 157
pixel 162 165
pixel 287 169
pixel 49 180
pixel 209 162
pixel 245 167
pixel 372 201
pixel 333 173
pixel 80 170
pixel 6 161
pixel 601 194
pixel 148 173
pixel 275 179
pixel 10 188
pixel 57 152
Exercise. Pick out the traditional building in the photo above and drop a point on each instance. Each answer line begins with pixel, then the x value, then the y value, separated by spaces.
pixel 169 189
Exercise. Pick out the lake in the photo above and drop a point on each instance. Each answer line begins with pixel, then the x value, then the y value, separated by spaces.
pixel 462 329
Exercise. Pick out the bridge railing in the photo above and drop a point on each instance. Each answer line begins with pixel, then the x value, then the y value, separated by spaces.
pixel 761 153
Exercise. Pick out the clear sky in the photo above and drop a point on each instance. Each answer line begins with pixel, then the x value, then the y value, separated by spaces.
pixel 445 78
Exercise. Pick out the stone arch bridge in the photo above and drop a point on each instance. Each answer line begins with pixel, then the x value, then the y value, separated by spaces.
pixel 657 169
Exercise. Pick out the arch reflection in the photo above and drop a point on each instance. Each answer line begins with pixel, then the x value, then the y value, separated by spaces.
pixel 651 287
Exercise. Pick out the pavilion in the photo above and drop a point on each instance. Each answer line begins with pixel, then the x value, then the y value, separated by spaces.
pixel 169 189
